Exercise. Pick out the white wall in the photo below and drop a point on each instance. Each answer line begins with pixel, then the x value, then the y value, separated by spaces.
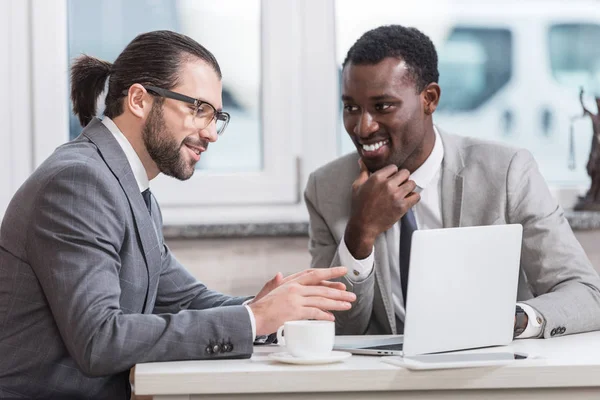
pixel 5 135
pixel 15 96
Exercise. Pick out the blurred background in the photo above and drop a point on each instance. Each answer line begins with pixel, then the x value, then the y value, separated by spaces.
pixel 510 71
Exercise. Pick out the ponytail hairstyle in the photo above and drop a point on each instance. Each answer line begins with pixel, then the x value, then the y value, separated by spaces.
pixel 152 58
pixel 88 76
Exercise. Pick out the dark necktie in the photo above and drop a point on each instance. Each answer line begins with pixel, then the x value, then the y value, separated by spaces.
pixel 148 200
pixel 408 225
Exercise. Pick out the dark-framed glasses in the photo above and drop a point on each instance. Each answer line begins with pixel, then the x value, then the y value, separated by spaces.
pixel 204 113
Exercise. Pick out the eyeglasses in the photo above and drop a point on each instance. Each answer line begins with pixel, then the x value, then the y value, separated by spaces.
pixel 204 113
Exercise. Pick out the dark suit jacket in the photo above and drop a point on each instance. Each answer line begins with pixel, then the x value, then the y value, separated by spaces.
pixel 88 287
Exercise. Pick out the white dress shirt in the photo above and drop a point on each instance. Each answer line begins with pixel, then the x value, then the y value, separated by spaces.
pixel 141 177
pixel 428 215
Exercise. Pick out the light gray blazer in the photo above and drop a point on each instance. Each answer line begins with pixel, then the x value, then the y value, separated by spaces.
pixel 88 287
pixel 482 183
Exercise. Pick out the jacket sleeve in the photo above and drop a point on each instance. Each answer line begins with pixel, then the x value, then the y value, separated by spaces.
pixel 73 243
pixel 566 286
pixel 323 248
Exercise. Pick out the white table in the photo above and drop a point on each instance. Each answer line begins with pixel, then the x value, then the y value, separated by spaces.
pixel 568 368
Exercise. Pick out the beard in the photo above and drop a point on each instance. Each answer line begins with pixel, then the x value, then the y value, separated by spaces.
pixel 164 150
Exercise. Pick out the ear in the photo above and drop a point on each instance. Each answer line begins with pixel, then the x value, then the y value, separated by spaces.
pixel 138 101
pixel 431 97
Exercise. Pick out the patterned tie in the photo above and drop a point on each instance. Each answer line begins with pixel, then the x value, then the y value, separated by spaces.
pixel 408 225
pixel 148 200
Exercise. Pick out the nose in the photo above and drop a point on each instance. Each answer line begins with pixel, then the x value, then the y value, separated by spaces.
pixel 366 125
pixel 210 132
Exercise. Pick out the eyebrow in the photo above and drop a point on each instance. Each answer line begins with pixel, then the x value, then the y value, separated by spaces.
pixel 383 97
pixel 373 98
pixel 208 102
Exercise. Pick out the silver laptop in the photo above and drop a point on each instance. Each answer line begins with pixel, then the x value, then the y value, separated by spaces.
pixel 461 294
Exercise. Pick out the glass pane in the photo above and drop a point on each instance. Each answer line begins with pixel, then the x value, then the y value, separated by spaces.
pixel 230 29
pixel 575 55
pixel 474 64
pixel 510 75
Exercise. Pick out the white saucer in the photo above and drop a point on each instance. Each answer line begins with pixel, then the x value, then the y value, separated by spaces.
pixel 285 357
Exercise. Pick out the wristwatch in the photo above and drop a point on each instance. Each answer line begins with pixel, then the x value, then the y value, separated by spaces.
pixel 520 321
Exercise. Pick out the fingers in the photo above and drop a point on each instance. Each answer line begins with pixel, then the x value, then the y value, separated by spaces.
pixel 326 304
pixel 363 175
pixel 296 275
pixel 406 189
pixel 412 198
pixel 333 285
pixel 399 178
pixel 386 172
pixel 315 276
pixel 274 282
pixel 315 313
pixel 325 292
pixel 278 280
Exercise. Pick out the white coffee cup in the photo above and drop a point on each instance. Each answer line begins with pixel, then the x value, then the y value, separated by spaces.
pixel 307 339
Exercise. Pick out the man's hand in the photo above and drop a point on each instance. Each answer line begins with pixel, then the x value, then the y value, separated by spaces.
pixel 378 202
pixel 305 295
pixel 278 280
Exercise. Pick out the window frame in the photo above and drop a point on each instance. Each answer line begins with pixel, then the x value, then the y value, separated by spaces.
pixel 15 101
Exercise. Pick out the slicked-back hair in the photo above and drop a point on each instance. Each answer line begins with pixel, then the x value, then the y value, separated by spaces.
pixel 408 44
pixel 152 58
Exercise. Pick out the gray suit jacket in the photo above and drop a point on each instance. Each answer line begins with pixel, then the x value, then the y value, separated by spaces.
pixel 88 287
pixel 481 184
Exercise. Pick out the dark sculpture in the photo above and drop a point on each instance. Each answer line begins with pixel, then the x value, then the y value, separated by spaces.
pixel 591 201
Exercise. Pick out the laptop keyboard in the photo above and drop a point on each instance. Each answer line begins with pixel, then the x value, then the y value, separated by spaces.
pixel 396 346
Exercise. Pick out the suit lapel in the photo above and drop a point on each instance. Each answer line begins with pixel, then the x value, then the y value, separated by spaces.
pixel 451 182
pixel 116 160
pixel 383 279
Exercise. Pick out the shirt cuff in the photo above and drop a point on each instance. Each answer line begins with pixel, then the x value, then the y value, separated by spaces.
pixel 358 270
pixel 534 323
pixel 252 319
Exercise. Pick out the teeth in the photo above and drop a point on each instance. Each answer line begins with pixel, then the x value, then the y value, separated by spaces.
pixel 374 146
pixel 194 150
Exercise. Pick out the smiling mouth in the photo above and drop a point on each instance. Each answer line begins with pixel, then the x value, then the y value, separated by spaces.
pixel 373 147
pixel 195 150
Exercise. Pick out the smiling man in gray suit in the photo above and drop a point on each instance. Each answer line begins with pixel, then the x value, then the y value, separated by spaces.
pixel 408 175
pixel 88 288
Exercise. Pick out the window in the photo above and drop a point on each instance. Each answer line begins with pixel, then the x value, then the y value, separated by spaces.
pixel 253 164
pixel 474 64
pixel 509 74
pixel 575 55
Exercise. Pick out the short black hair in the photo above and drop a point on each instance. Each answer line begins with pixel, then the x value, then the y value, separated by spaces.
pixel 409 44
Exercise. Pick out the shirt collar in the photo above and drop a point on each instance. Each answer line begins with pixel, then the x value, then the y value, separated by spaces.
pixel 424 175
pixel 139 172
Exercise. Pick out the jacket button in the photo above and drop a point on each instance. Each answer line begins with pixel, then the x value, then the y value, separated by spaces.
pixel 562 330
pixel 553 332
pixel 208 350
pixel 216 349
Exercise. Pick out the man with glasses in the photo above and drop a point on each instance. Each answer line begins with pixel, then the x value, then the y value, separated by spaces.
pixel 88 288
